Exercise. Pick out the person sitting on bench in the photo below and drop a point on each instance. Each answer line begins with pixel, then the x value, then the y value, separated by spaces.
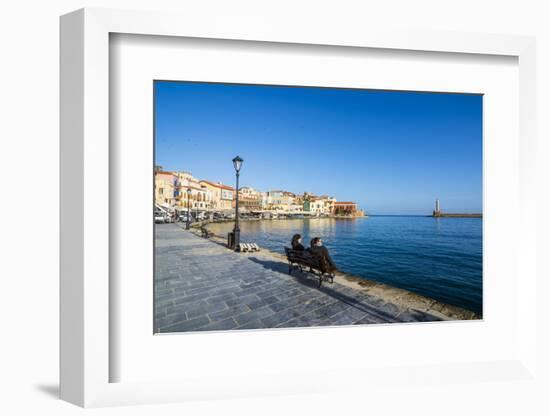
pixel 297 243
pixel 318 249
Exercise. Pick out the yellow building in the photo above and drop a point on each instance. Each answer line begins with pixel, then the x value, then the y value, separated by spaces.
pixel 250 199
pixel 165 188
pixel 200 197
pixel 222 196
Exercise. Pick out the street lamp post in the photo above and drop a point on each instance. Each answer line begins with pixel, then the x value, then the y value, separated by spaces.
pixel 187 226
pixel 237 163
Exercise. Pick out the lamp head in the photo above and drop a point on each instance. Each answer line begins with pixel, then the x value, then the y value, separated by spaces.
pixel 237 163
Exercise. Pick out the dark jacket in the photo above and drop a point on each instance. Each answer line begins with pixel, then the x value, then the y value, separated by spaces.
pixel 322 252
pixel 297 246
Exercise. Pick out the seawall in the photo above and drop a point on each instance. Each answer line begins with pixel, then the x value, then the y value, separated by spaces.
pixel 443 215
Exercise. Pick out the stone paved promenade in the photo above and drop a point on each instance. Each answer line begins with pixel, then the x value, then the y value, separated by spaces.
pixel 202 286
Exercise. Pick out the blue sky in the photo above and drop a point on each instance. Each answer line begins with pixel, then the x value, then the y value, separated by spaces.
pixel 391 152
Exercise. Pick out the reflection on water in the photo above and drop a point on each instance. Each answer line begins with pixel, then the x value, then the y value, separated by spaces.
pixel 437 257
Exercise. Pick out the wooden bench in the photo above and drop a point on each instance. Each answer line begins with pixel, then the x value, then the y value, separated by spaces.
pixel 307 262
pixel 206 233
pixel 243 247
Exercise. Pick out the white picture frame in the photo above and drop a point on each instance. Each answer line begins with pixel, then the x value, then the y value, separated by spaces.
pixel 86 305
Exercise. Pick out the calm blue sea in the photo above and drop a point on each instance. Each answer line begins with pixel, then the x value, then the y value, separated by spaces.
pixel 437 257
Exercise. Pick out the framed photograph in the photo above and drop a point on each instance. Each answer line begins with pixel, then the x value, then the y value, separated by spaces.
pixel 359 246
pixel 231 199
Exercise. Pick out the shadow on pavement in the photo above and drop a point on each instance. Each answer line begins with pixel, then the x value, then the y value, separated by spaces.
pixel 302 278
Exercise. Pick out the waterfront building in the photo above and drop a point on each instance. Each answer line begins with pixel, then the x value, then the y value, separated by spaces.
pixel 328 205
pixel 346 208
pixel 222 196
pixel 250 199
pixel 281 200
pixel 296 208
pixel 275 198
pixel 165 189
pixel 250 203
pixel 297 205
pixel 200 198
pixel 249 192
pixel 266 200
pixel 320 206
pixel 317 205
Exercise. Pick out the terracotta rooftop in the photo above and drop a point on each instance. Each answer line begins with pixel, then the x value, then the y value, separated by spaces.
pixel 191 187
pixel 219 185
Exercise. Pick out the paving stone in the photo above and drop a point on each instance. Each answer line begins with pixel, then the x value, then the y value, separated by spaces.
pixel 224 325
pixel 200 290
pixel 221 298
pixel 170 319
pixel 251 283
pixel 273 291
pixel 249 291
pixel 218 291
pixel 160 293
pixel 180 298
pixel 254 324
pixel 341 318
pixel 228 312
pixel 164 302
pixel 284 315
pixel 242 301
pixel 294 323
pixel 254 314
pixel 183 304
pixel 262 302
pixel 188 325
pixel 160 314
pixel 269 300
pixel 204 310
pixel 292 302
pixel 289 294
pixel 324 312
